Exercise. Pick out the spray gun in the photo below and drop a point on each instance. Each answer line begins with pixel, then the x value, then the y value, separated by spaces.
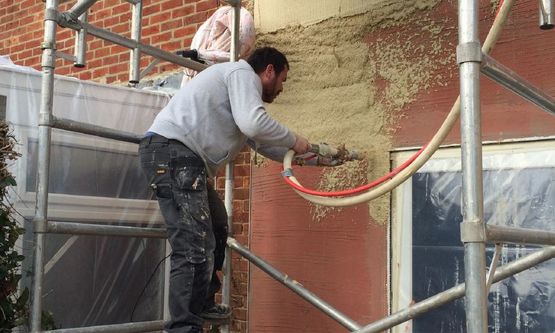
pixel 330 156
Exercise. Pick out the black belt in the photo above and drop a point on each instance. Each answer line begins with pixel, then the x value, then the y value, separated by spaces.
pixel 156 138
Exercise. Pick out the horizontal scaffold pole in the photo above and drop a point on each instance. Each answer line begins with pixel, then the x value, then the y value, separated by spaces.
pixel 294 286
pixel 145 326
pixel 456 292
pixel 501 234
pixel 85 128
pixel 73 228
pixel 129 43
pixel 515 83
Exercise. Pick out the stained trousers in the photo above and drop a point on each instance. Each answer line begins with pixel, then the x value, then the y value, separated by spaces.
pixel 196 223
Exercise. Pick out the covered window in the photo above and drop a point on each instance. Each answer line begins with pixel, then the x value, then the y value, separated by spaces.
pixel 428 255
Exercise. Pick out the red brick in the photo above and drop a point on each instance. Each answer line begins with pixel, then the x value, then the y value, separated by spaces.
pixel 112 3
pixel 101 15
pixel 196 18
pixel 185 31
pixel 111 60
pixel 125 17
pixel 153 9
pixel 183 11
pixel 171 46
pixel 110 21
pixel 124 57
pixel 170 4
pixel 111 79
pixel 205 5
pixel 100 72
pixel 121 8
pixel 95 44
pixel 151 30
pixel 171 25
pixel 101 52
pixel 159 18
pixel 123 77
pixel 93 63
pixel 122 29
pixel 163 37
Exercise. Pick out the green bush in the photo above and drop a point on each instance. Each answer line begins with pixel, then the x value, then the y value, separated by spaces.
pixel 13 302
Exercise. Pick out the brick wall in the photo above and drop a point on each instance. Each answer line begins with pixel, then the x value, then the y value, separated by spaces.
pixel 167 24
pixel 240 266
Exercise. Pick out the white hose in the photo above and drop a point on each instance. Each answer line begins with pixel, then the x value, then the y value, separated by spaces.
pixel 445 128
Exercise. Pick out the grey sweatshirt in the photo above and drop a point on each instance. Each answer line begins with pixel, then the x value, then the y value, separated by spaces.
pixel 218 112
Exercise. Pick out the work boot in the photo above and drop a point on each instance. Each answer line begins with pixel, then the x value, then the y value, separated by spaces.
pixel 217 311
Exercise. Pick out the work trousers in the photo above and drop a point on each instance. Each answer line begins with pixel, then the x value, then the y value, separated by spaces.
pixel 196 223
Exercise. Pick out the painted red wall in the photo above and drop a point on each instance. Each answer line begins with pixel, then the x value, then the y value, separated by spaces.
pixel 340 258
pixel 343 259
pixel 522 47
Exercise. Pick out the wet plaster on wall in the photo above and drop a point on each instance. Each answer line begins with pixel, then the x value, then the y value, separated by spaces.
pixel 350 79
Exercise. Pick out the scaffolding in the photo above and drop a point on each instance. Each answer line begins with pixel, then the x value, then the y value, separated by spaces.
pixel 472 59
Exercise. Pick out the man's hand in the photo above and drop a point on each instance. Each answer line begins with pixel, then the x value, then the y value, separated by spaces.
pixel 301 145
pixel 329 161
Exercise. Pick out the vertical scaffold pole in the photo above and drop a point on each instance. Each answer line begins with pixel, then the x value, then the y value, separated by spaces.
pixel 135 58
pixel 81 44
pixel 43 165
pixel 229 184
pixel 472 228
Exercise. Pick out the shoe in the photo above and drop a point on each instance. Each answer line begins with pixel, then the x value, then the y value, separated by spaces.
pixel 218 311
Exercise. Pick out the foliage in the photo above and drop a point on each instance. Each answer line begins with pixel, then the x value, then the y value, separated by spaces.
pixel 13 302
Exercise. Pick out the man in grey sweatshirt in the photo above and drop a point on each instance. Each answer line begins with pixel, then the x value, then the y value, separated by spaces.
pixel 204 126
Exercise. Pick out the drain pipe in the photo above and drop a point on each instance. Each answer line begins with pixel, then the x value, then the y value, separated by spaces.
pixel 229 184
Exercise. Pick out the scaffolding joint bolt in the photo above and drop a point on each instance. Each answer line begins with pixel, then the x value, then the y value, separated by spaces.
pixel 51 14
pixel 40 225
pixel 473 232
pixel 46 119
pixel 47 45
pixel 469 52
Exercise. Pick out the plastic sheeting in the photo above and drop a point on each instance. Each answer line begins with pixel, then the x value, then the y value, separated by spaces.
pixel 213 39
pixel 89 280
pixel 519 191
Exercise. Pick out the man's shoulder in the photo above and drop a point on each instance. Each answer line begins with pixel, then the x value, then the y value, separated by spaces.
pixel 241 65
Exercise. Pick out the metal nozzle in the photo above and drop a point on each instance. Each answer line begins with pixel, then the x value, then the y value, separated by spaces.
pixel 341 153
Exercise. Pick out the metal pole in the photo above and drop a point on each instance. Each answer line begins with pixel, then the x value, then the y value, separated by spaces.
pixel 469 54
pixel 135 63
pixel 493 266
pixel 130 43
pixel 512 81
pixel 103 230
pixel 43 162
pixel 546 14
pixel 79 8
pixel 81 43
pixel 146 326
pixel 85 128
pixel 229 183
pixel 496 233
pixel 456 292
pixel 294 286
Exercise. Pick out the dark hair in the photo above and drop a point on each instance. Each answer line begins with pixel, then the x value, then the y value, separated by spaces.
pixel 264 56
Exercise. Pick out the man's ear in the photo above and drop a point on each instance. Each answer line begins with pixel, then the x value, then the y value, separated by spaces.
pixel 269 70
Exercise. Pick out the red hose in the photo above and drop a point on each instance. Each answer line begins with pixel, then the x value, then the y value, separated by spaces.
pixel 360 188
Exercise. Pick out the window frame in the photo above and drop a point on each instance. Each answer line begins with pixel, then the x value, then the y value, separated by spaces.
pixel 400 252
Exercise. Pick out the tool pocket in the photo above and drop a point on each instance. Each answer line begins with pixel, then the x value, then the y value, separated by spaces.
pixel 190 189
pixel 155 164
